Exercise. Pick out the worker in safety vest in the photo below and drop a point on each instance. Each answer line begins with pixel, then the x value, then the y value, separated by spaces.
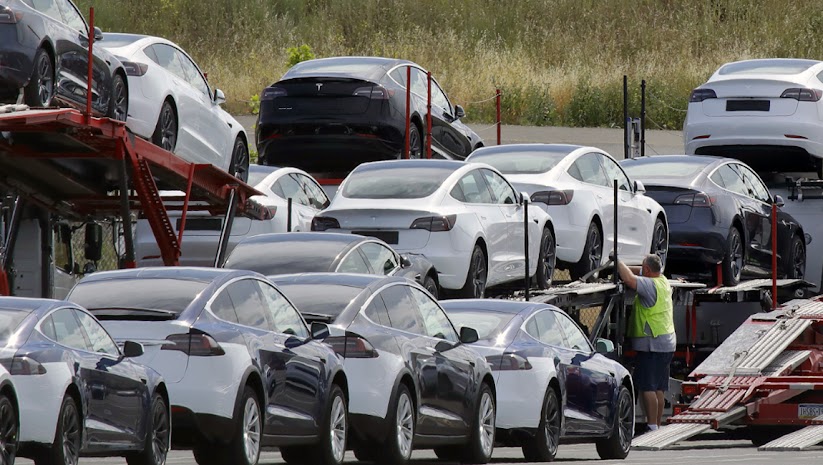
pixel 651 329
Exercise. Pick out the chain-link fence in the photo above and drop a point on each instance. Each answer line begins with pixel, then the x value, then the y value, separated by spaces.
pixel 110 258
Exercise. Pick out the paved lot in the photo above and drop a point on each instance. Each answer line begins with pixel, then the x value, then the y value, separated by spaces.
pixel 698 452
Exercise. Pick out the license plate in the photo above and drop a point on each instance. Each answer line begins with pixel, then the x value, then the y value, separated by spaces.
pixel 389 237
pixel 748 105
pixel 201 224
pixel 809 411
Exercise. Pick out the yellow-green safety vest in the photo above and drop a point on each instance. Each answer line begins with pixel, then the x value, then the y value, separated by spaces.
pixel 659 316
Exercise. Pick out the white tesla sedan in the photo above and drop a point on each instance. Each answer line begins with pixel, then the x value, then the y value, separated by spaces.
pixel 171 104
pixel 464 217
pixel 765 112
pixel 575 186
pixel 202 231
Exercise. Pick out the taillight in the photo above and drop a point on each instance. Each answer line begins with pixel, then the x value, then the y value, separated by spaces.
pixel 323 223
pixel 351 346
pixel 135 69
pixel 8 16
pixel 271 93
pixel 698 95
pixel 508 362
pixel 563 197
pixel 699 200
pixel 803 94
pixel 690 389
pixel 195 345
pixel 373 92
pixel 25 366
pixel 257 210
pixel 435 223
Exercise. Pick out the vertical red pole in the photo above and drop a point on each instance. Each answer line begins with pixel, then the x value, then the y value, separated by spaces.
pixel 185 206
pixel 91 63
pixel 406 153
pixel 429 118
pixel 4 283
pixel 774 255
pixel 497 97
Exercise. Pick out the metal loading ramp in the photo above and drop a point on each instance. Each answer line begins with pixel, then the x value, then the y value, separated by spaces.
pixel 799 440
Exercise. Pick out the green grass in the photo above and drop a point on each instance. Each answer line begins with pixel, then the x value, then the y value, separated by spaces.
pixel 558 62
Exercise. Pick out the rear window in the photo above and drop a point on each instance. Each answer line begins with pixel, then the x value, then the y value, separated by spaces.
pixel 768 67
pixel 118 40
pixel 521 162
pixel 284 257
pixel 319 299
pixel 395 183
pixel 170 295
pixel 10 319
pixel 487 324
pixel 257 175
pixel 663 169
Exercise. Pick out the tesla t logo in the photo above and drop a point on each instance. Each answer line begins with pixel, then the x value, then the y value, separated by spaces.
pixel 319 85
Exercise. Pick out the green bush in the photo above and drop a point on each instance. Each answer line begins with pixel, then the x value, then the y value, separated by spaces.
pixel 298 54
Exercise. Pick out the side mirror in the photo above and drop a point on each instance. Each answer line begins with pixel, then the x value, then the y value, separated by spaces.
pixel 98 34
pixel 525 198
pixel 459 112
pixel 219 97
pixel 639 188
pixel 604 346
pixel 405 262
pixel 808 238
pixel 132 349
pixel 319 331
pixel 778 200
pixel 468 335
pixel 94 242
pixel 293 342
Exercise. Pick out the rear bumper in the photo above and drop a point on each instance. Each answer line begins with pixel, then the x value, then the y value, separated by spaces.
pixel 336 153
pixel 688 244
pixel 15 66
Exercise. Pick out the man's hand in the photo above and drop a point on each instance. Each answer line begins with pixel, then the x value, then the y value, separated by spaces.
pixel 626 275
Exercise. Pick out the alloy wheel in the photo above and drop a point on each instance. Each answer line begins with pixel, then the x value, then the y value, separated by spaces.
pixel 71 435
pixel 596 251
pixel 486 423
pixel 661 244
pixel 405 425
pixel 338 429
pixel 121 100
pixel 251 430
pixel 479 277
pixel 8 432
pixel 626 419
pixel 168 127
pixel 736 255
pixel 240 160
pixel 552 429
pixel 415 146
pixel 45 81
pixel 549 259
pixel 799 260
pixel 161 439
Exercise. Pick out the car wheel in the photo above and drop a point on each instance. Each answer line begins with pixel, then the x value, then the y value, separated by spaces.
pixel 401 421
pixel 240 160
pixel 543 447
pixel 158 436
pixel 119 101
pixel 244 448
pixel 40 90
pixel 797 265
pixel 475 285
pixel 165 133
pixel 332 446
pixel 547 259
pixel 733 262
pixel 67 439
pixel 431 285
pixel 481 439
pixel 416 149
pixel 617 445
pixel 660 241
pixel 9 426
pixel 592 253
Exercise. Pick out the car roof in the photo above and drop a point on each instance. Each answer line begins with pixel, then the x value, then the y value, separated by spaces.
pixel 555 148
pixel 494 305
pixel 27 304
pixel 201 274
pixel 361 281
pixel 340 238
pixel 452 165
pixel 360 67
pixel 706 160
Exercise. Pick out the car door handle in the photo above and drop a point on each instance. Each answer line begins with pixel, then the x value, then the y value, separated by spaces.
pixel 471 363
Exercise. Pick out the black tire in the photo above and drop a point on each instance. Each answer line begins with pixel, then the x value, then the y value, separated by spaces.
pixel 734 259
pixel 240 160
pixel 592 253
pixel 67 438
pixel 416 146
pixel 165 133
pixel 41 89
pixel 392 452
pixel 475 286
pixel 365 453
pixel 158 436
pixel 9 428
pixel 543 446
pixel 295 455
pixel 119 101
pixel 332 447
pixel 547 260
pixel 797 256
pixel 208 454
pixel 449 453
pixel 660 241
pixel 249 423
pixel 431 285
pixel 617 445
pixel 481 439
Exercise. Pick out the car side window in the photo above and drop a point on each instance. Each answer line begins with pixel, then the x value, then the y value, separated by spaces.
pixel 381 258
pixel 72 17
pixel 532 329
pixel 732 180
pixel 399 76
pixel 248 304
pixel 168 59
pixel 575 339
pixel 376 311
pixel 613 172
pixel 439 98
pixel 434 319
pixel 502 192
pixel 49 8
pixel 550 332
pixel 67 330
pixel 193 75
pixel 317 198
pixel 402 310
pixel 285 318
pixel 587 169
pixel 223 308
pixel 353 263
pixel 419 84
pixel 754 186
pixel 291 188
pixel 99 339
pixel 472 188
pixel 149 51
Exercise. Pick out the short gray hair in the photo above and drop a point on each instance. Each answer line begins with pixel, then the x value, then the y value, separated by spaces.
pixel 654 263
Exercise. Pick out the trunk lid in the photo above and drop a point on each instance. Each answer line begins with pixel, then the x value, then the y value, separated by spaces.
pixel 666 195
pixel 751 97
pixel 321 97
pixel 391 225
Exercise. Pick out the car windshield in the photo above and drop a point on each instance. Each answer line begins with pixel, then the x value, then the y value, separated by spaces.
pixel 527 162
pixel 407 182
pixel 10 319
pixel 320 299
pixel 768 67
pixel 285 257
pixel 663 169
pixel 487 324
pixel 158 294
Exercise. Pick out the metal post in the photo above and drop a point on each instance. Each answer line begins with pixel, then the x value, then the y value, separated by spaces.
pixel 774 254
pixel 614 242
pixel 8 250
pixel 91 64
pixel 643 118
pixel 406 153
pixel 226 231
pixel 185 206
pixel 129 260
pixel 289 203
pixel 429 117
pixel 526 282
pixel 497 98
pixel 625 116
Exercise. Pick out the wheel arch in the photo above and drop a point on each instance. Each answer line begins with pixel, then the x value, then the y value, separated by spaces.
pixel 341 380
pixel 252 379
pixel 8 390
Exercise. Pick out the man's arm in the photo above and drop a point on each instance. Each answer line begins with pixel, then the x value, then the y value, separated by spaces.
pixel 626 275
